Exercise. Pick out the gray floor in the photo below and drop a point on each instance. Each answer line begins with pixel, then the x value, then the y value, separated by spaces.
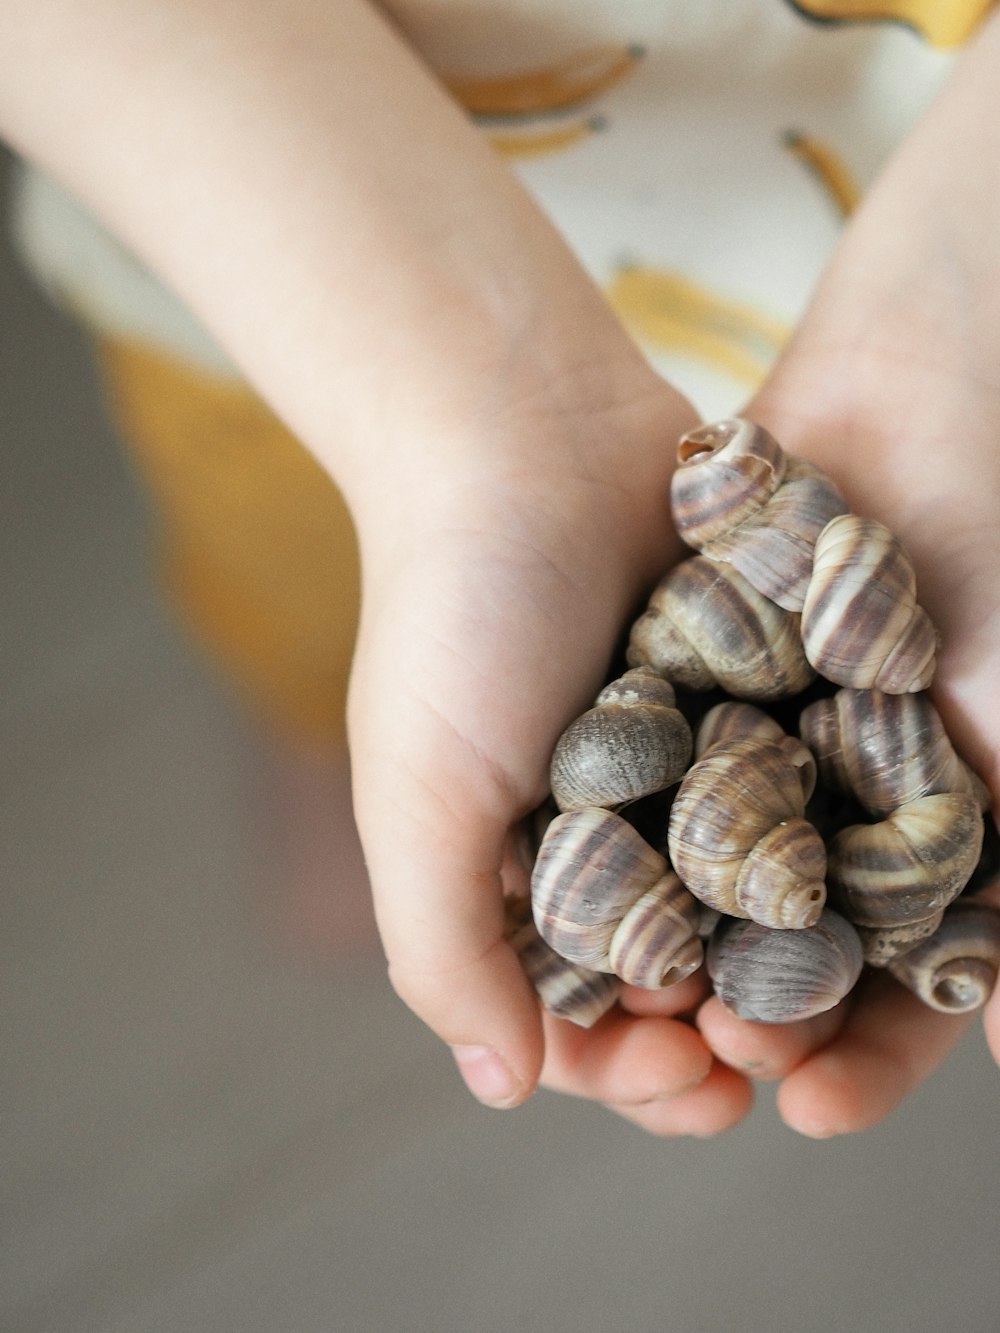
pixel 203 1130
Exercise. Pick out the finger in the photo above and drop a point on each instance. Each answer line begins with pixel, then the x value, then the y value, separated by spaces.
pixel 670 1001
pixel 889 1044
pixel 624 1059
pixel 766 1051
pixel 717 1104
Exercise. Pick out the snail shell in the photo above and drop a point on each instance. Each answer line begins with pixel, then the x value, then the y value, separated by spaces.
pixel 564 988
pixel 738 839
pixel 603 898
pixel 781 976
pixel 706 626
pixel 885 749
pixel 955 970
pixel 882 944
pixel 726 472
pixel 733 720
pixel 861 625
pixel 633 742
pixel 910 865
pixel 773 549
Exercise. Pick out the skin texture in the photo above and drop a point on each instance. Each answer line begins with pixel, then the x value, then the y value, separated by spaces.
pixel 505 452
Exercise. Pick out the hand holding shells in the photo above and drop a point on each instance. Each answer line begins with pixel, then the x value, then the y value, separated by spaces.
pixel 786 584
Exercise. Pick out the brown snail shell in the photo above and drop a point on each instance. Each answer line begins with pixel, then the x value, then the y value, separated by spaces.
pixel 734 719
pixel 633 742
pixel 782 976
pixel 706 626
pixel 955 969
pixel 738 839
pixel 726 472
pixel 602 896
pixel 885 749
pixel 908 866
pixel 861 625
pixel 564 988
pixel 658 941
pixel 773 549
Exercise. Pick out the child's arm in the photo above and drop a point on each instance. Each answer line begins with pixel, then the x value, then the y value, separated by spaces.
pixel 892 384
pixel 385 283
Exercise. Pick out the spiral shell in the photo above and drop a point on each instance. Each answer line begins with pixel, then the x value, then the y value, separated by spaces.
pixel 603 898
pixel 861 625
pixel 782 976
pixel 885 749
pixel 955 970
pixel 706 626
pixel 773 549
pixel 726 472
pixel 738 839
pixel 733 720
pixel 910 865
pixel 564 988
pixel 633 742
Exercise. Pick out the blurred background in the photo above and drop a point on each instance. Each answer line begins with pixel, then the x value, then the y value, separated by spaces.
pixel 210 1123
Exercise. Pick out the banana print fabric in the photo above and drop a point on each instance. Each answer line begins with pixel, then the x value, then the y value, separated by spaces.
pixel 698 157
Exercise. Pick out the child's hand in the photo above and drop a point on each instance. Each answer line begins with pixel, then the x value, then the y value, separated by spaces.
pixel 892 385
pixel 494 597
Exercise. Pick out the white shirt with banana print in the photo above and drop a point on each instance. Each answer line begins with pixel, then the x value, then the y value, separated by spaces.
pixel 699 157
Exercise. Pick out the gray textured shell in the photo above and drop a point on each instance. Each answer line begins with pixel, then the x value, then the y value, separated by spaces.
pixel 782 976
pixel 633 742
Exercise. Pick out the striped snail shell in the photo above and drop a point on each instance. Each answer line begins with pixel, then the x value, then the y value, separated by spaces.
pixel 633 742
pixel 603 898
pixel 726 472
pixel 564 988
pixel 861 625
pixel 782 976
pixel 910 865
pixel 885 749
pixel 773 549
pixel 706 626
pixel 738 839
pixel 734 719
pixel 955 969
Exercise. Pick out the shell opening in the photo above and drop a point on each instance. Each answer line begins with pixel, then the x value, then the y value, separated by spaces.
pixel 963 986
pixel 707 440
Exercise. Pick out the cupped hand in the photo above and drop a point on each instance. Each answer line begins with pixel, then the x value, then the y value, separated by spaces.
pixel 897 398
pixel 494 596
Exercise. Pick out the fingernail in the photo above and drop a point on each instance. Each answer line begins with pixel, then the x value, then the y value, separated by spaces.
pixel 486 1076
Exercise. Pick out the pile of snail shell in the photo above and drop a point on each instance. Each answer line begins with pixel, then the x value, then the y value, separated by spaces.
pixel 690 834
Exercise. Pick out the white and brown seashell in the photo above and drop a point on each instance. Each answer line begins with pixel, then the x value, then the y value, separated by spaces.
pixel 603 898
pixel 782 976
pixel 564 988
pixel 726 472
pixel 706 626
pixel 910 865
pixel 773 549
pixel 861 625
pixel 955 969
pixel 733 720
pixel 885 749
pixel 633 742
pixel 738 839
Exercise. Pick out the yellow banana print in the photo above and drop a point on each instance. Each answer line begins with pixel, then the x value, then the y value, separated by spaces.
pixel 534 143
pixel 829 169
pixel 566 83
pixel 671 313
pixel 943 23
